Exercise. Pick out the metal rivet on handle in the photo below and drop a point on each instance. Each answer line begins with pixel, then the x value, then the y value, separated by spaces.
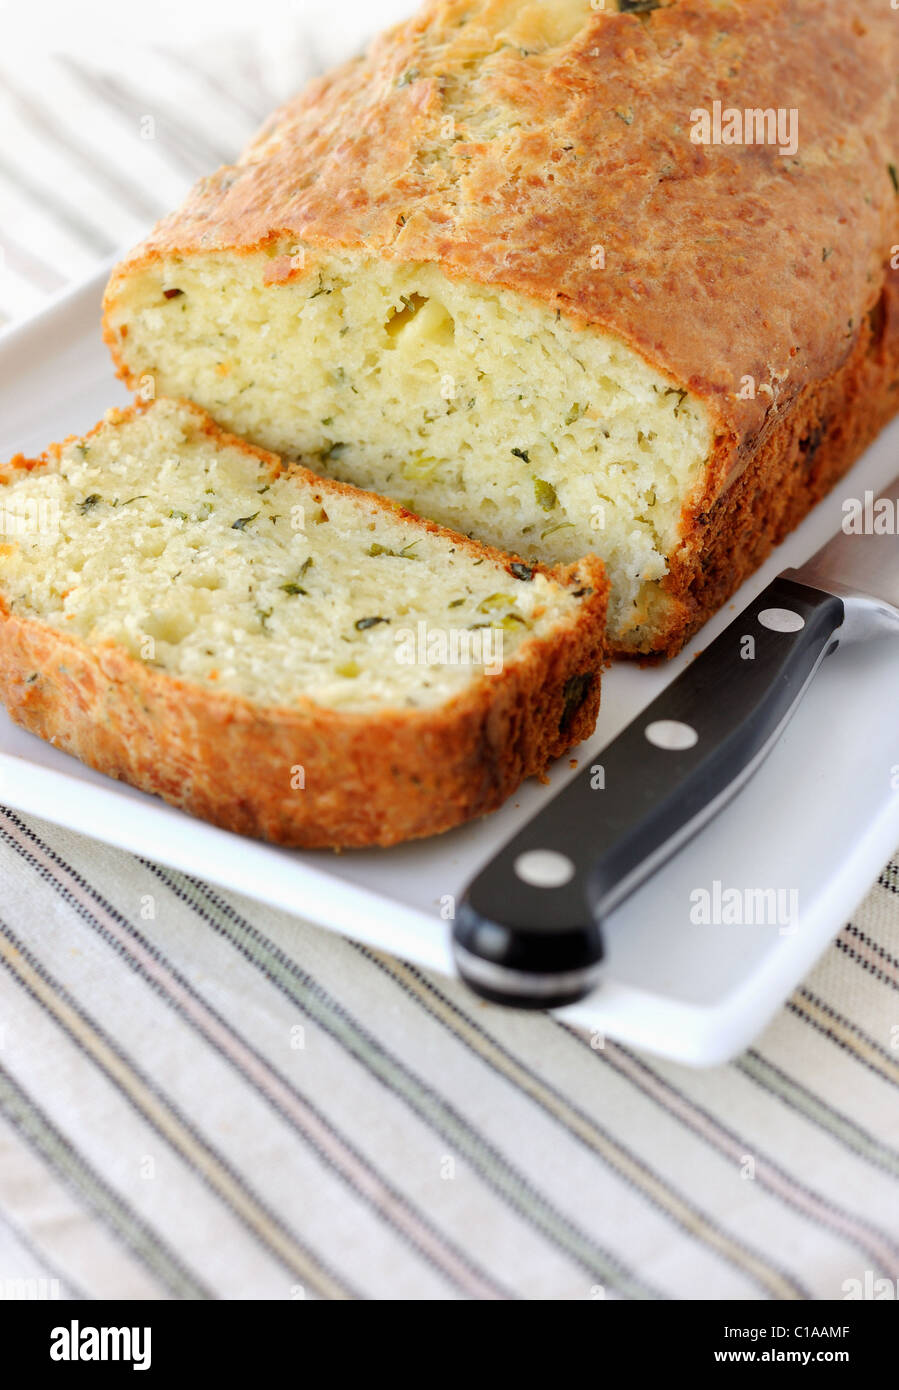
pixel 544 868
pixel 782 620
pixel 671 734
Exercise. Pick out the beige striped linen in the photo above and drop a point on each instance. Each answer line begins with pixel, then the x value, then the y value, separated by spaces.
pixel 204 1098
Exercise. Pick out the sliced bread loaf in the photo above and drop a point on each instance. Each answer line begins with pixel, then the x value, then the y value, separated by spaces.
pixel 504 269
pixel 287 657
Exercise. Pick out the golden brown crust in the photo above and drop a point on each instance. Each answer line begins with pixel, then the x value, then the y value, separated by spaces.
pixel 722 263
pixel 368 779
pixel 714 255
pixel 815 443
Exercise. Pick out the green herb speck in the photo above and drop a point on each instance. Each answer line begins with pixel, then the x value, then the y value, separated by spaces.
pixel 295 587
pixel 377 549
pixel 495 601
pixel 545 494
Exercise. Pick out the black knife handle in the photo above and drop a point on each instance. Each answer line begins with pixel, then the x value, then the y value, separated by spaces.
pixel 528 929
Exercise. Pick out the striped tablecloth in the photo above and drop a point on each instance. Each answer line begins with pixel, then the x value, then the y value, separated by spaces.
pixel 204 1098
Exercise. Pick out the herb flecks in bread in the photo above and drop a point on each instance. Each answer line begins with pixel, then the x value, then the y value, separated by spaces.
pixel 202 621
pixel 487 270
pixel 467 406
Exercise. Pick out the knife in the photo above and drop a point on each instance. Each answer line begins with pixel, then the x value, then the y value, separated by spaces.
pixel 528 930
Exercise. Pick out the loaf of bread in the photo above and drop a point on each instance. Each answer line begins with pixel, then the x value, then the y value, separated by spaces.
pixel 286 657
pixel 564 278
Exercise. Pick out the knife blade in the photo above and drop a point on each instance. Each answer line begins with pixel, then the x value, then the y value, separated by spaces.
pixel 528 930
pixel 861 563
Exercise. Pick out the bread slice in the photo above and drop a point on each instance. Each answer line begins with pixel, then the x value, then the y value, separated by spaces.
pixel 489 270
pixel 287 657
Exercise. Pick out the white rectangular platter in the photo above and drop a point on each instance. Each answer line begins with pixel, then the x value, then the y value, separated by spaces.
pixel 819 819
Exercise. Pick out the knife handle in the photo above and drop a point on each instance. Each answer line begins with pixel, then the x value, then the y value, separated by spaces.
pixel 528 929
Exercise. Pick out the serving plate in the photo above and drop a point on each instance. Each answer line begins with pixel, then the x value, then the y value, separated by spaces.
pixel 815 824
